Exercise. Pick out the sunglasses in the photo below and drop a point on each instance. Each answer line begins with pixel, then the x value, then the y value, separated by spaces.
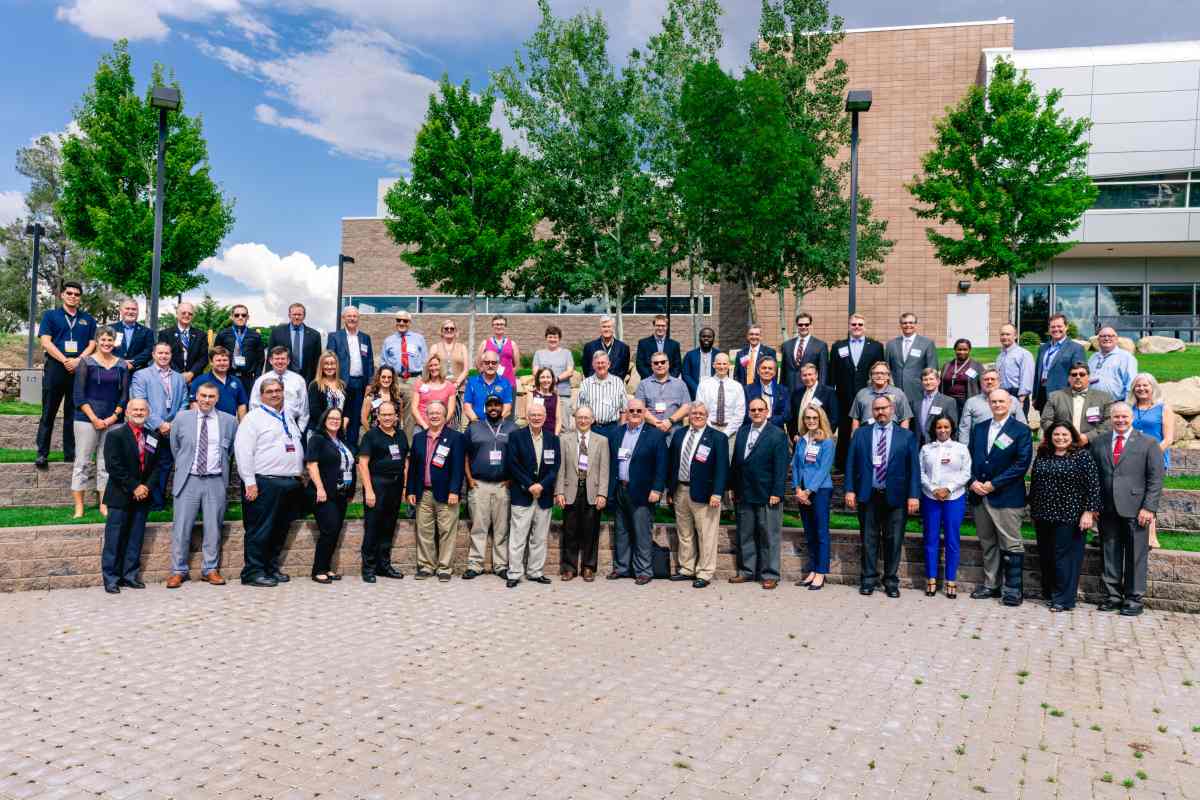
pixel 635 411
pixel 657 363
pixel 240 316
pixel 405 321
pixel 449 328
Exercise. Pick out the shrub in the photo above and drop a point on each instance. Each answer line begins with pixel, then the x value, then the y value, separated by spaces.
pixel 1029 339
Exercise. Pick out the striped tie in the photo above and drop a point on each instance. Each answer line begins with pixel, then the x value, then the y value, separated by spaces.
pixel 202 447
pixel 881 456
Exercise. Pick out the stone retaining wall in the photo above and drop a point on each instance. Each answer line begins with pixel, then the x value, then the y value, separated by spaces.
pixel 69 557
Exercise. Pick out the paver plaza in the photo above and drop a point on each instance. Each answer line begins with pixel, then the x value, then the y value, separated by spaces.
pixel 465 690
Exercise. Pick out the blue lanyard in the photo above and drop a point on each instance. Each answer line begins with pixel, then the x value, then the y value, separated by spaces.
pixel 72 321
pixel 282 421
pixel 238 338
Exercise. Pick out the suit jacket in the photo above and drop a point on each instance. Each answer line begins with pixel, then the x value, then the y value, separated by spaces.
pixel 520 462
pixel 764 474
pixel 183 446
pixel 708 477
pixel 598 467
pixel 647 465
pixel 816 352
pixel 1005 466
pixel 338 343
pixel 281 336
pixel 903 479
pixel 822 394
pixel 446 479
pixel 739 369
pixel 125 472
pixel 780 409
pixel 691 369
pixel 1060 367
pixel 618 358
pixel 138 348
pixel 252 350
pixel 846 378
pixel 1058 408
pixel 193 358
pixel 907 374
pixel 646 348
pixel 147 386
pixel 1137 481
pixel 948 406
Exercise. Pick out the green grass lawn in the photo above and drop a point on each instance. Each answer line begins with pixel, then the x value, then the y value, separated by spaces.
pixel 9 456
pixel 1164 367
pixel 17 408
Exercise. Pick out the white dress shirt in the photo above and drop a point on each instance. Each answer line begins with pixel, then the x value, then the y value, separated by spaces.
pixel 295 396
pixel 352 344
pixel 213 455
pixel 261 446
pixel 994 431
pixel 945 465
pixel 735 403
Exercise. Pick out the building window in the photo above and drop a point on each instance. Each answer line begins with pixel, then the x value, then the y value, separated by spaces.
pixel 451 305
pixel 1122 301
pixel 1172 301
pixel 1145 192
pixel 1034 310
pixel 593 305
pixel 645 305
pixel 1079 304
pixel 383 305
pixel 519 305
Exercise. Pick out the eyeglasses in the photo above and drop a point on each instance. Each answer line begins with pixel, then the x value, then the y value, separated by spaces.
pixel 405 321
pixel 71 293
pixel 449 328
pixel 857 324
pixel 490 363
pixel 657 363
pixel 803 324
pixel 240 316
pixel 635 411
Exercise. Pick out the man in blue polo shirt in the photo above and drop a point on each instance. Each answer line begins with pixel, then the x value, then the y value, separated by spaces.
pixel 68 336
pixel 232 395
pixel 487 384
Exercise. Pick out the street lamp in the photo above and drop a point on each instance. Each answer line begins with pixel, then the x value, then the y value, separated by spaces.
pixel 857 101
pixel 37 231
pixel 343 260
pixel 164 98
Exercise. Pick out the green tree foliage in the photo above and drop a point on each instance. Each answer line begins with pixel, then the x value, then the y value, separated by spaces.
pixel 211 315
pixel 578 114
pixel 107 201
pixel 1010 171
pixel 465 215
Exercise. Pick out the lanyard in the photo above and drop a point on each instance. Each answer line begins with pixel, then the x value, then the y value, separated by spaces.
pixel 282 421
pixel 238 338
pixel 72 321
pixel 347 459
pixel 957 370
pixel 495 431
pixel 499 343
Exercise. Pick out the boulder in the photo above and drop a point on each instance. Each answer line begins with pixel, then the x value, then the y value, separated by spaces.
pixel 1084 343
pixel 525 384
pixel 1184 396
pixel 1122 342
pixel 1183 431
pixel 1034 418
pixel 1160 344
pixel 1194 424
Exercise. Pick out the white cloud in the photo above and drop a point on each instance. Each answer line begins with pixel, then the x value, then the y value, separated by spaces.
pixel 139 19
pixel 273 282
pixel 12 207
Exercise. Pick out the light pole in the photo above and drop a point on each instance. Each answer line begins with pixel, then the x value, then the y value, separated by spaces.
pixel 857 101
pixel 343 260
pixel 37 231
pixel 164 98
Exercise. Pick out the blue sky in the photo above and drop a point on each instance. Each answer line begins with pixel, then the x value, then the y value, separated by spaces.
pixel 306 103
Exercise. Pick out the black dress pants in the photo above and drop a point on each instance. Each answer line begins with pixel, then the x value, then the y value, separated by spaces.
pixel 580 534
pixel 58 386
pixel 1068 563
pixel 124 531
pixel 280 500
pixel 379 524
pixel 330 517
pixel 1047 536
pixel 881 524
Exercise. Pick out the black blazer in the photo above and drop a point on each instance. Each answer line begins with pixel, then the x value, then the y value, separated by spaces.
pixel 821 393
pixel 764 474
pixel 647 348
pixel 708 477
pixel 324 453
pixel 252 349
pixel 140 347
pixel 739 370
pixel 817 352
pixel 520 463
pixel 446 479
pixel 281 336
pixel 618 357
pixel 125 473
pixel 846 379
pixel 647 464
pixel 691 369
pixel 195 358
pixel 318 404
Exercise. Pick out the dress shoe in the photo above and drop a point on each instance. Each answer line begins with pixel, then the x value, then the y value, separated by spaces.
pixel 501 573
pixel 174 582
pixel 112 588
pixel 214 578
pixel 1056 608
pixel 566 575
pixel 892 592
pixel 542 579
pixel 261 580
pixel 1107 605
pixel 1131 611
pixel 42 463
pixel 368 577
pixel 423 575
pixel 443 577
pixel 984 593
pixel 133 584
pixel 588 575
pixel 679 576
pixel 816 587
pixel 769 584
pixel 470 575
pixel 389 572
pixel 642 580
pixel 281 577
pixel 739 578
pixel 511 583
pixel 699 583
pixel 866 591
pixel 612 576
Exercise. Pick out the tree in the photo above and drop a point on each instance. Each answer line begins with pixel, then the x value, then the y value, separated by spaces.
pixel 579 117
pixel 1010 171
pixel 745 176
pixel 107 201
pixel 795 47
pixel 466 214
pixel 211 315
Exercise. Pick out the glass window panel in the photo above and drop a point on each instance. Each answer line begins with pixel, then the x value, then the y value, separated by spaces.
pixel 1120 300
pixel 1079 304
pixel 1157 177
pixel 384 305
pixel 1142 196
pixel 1035 308
pixel 628 306
pixel 657 304
pixel 592 305
pixel 1166 299
pixel 707 305
pixel 519 305
pixel 1194 195
pixel 449 305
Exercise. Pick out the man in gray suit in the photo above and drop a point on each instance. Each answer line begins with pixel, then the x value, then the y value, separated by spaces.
pixel 908 355
pixel 977 410
pixel 202 442
pixel 1085 408
pixel 1131 482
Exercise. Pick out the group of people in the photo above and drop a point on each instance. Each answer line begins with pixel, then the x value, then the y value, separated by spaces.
pixel 700 429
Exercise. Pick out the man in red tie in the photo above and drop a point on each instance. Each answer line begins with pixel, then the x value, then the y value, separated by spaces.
pixel 405 351
pixel 131 453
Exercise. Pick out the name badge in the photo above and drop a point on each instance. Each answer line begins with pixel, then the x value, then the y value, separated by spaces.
pixel 935 409
pixel 876 459
pixel 844 352
pixel 151 442
pixel 1003 441
pixel 118 338
pixel 439 460
pixel 1093 414
pixel 424 389
pixel 660 407
pixel 702 453
pixel 811 452
pixel 70 347
pixel 916 351
pixel 239 361
pixel 537 400
pixel 289 447
pixel 972 373
pixel 500 370
pixel 442 450
pixel 376 402
pixel 547 456
pixel 347 476
pixel 583 461
pixel 945 460
pixel 815 403
pixel 624 453
pixel 362 348
pixel 495 456
pixel 394 449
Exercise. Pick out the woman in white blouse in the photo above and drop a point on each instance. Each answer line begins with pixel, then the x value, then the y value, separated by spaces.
pixel 945 472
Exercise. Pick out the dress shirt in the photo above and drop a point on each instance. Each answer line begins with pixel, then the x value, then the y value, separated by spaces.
pixel 906 344
pixel 1049 356
pixel 768 396
pixel 295 396
pixel 663 398
pixel 431 444
pixel 735 403
pixel 752 438
pixel 1117 436
pixel 994 431
pixel 629 440
pixel 417 353
pixel 1015 365
pixel 185 338
pixel 706 359
pixel 801 346
pixel 1077 401
pixel 926 405
pixel 536 438
pixel 355 368
pixel 260 446
pixel 1113 372
pixel 607 398
pixel 213 456
pixel 861 408
pixel 659 344
pixel 945 465
pixel 690 441
pixel 856 349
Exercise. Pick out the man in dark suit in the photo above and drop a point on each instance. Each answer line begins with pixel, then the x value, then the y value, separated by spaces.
pixel 1085 407
pixel 435 476
pixel 883 484
pixel 1051 369
pixel 776 396
pixel 134 340
pixel 189 346
pixel 908 356
pixel 532 457
pixel 303 343
pixel 811 392
pixel 1131 482
pixel 803 349
pixel 930 405
pixel 758 478
pixel 850 361
pixel 658 343
pixel 245 346
pixel 698 363
pixel 697 474
pixel 608 343
pixel 131 454
pixel 747 359
pixel 356 366
pixel 1001 452
pixel 639 453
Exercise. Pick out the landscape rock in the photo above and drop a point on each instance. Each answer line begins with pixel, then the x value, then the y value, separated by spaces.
pixel 1160 344
pixel 1122 342
pixel 1184 396
pixel 1183 430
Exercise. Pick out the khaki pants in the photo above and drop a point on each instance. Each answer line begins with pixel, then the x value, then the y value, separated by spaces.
pixel 437 531
pixel 998 529
pixel 88 440
pixel 489 510
pixel 407 420
pixel 530 528
pixel 697 525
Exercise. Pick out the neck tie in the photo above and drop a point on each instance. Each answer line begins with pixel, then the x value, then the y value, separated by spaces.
pixel 881 456
pixel 800 348
pixel 202 447
pixel 751 371
pixel 685 463
pixel 907 346
pixel 404 353
pixel 296 349
pixel 1118 448
pixel 165 376
pixel 141 445
pixel 583 451
pixel 186 337
pixel 720 402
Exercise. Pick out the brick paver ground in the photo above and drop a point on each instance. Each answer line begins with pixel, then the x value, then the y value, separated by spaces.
pixel 468 690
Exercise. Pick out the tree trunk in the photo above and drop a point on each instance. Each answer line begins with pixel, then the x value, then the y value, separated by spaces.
pixel 620 315
pixel 470 331
pixel 1012 302
pixel 696 304
pixel 782 314
pixel 751 311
